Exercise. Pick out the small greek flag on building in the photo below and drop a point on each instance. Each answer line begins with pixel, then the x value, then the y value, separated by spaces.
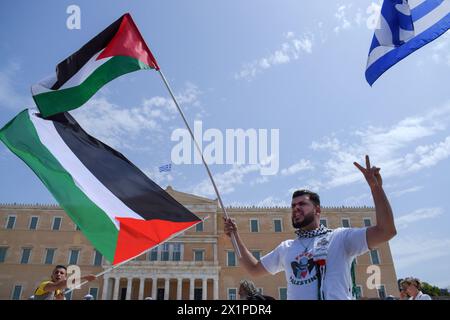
pixel 404 27
pixel 165 168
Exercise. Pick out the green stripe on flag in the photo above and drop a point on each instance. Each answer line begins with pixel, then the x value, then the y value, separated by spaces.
pixel 20 136
pixel 62 100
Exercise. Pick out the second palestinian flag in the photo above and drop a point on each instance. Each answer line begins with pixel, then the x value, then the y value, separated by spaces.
pixel 117 50
pixel 117 207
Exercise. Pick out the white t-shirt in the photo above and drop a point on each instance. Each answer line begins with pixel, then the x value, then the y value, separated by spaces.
pixel 421 296
pixel 295 258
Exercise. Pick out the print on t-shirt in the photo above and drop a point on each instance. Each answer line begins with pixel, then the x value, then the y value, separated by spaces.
pixel 302 268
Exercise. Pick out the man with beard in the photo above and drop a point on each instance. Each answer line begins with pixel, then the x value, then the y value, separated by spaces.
pixel 331 252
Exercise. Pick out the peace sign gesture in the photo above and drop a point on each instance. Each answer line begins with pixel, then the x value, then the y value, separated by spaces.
pixel 372 174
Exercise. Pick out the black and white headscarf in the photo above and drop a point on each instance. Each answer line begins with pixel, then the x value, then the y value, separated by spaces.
pixel 312 233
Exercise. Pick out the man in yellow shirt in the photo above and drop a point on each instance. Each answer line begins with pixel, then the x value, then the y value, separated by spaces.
pixel 54 289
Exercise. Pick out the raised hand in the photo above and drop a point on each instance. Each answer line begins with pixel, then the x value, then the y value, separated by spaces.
pixel 229 226
pixel 372 174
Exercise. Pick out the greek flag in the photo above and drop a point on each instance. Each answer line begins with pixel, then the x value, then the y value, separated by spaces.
pixel 165 168
pixel 404 27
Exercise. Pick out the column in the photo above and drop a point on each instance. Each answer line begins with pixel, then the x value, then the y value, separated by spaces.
pixel 105 288
pixel 179 288
pixel 216 260
pixel 191 288
pixel 154 287
pixel 166 288
pixel 116 288
pixel 216 288
pixel 141 288
pixel 204 289
pixel 129 283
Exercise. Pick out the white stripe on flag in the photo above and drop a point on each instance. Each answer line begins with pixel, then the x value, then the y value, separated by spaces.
pixel 415 3
pixel 432 17
pixel 77 79
pixel 82 177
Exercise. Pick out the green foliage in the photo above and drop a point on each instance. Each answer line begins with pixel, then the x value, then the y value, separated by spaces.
pixel 430 289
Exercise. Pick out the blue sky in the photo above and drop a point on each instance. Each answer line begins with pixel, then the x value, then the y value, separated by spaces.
pixel 288 65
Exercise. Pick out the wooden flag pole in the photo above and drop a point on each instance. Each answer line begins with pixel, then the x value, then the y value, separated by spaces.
pixel 233 238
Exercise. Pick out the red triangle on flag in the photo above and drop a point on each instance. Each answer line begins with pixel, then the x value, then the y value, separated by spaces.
pixel 137 235
pixel 128 42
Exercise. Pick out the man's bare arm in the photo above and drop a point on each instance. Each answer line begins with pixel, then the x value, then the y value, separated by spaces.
pixel 248 261
pixel 384 230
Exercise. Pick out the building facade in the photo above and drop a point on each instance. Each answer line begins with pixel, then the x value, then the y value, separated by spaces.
pixel 198 264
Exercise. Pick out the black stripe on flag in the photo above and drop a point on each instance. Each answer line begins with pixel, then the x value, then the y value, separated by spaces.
pixel 119 175
pixel 70 66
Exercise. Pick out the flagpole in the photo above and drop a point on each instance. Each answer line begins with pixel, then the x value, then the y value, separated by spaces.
pixel 233 238
pixel 128 260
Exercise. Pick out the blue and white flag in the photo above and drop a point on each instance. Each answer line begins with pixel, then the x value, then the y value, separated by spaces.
pixel 165 168
pixel 404 27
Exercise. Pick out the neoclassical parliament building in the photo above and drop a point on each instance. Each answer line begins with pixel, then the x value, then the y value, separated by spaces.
pixel 198 264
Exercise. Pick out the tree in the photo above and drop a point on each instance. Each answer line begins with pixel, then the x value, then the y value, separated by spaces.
pixel 430 289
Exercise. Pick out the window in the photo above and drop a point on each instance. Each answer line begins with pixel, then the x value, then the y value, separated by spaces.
pixel 277 225
pixel 17 292
pixel 199 227
pixel 232 293
pixel 154 254
pixel 346 223
pixel 49 255
pixel 26 253
pixel 3 251
pixel 73 256
pixel 11 222
pixel 283 293
pixel 231 259
pixel 33 223
pixel 98 258
pixel 165 252
pixel 382 292
pixel 324 222
pixel 256 254
pixel 367 222
pixel 56 223
pixel 374 257
pixel 93 292
pixel 176 251
pixel 254 225
pixel 198 255
pixel 358 292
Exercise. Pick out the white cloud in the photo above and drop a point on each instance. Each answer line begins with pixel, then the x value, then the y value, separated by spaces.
pixel 225 181
pixel 441 48
pixel 341 17
pixel 272 202
pixel 409 251
pixel 400 193
pixel 389 148
pixel 419 214
pixel 290 50
pixel 356 201
pixel 9 96
pixel 260 180
pixel 112 123
pixel 302 165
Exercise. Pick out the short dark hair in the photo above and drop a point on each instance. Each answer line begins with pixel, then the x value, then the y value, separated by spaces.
pixel 60 266
pixel 314 197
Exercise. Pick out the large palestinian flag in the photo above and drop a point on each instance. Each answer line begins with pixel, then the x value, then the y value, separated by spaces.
pixel 117 50
pixel 118 208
